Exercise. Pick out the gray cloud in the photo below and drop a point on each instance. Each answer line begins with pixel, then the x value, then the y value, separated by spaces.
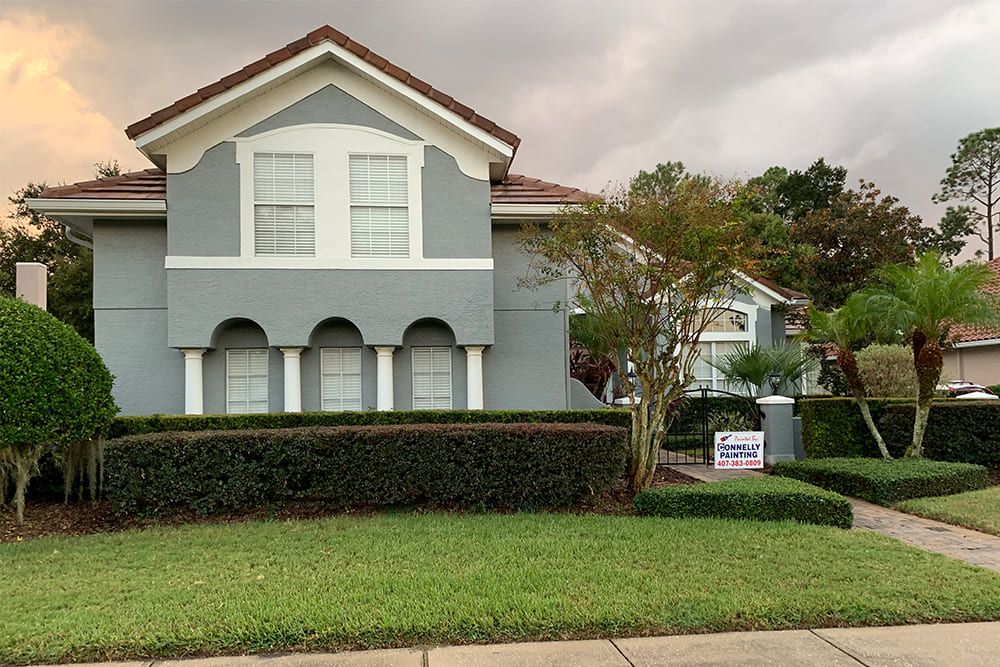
pixel 598 90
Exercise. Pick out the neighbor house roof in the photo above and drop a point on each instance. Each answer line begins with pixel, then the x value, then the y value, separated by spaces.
pixel 788 293
pixel 321 34
pixel 152 184
pixel 964 333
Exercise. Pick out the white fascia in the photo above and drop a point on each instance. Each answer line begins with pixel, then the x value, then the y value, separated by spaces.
pixel 502 211
pixel 98 208
pixel 978 343
pixel 303 60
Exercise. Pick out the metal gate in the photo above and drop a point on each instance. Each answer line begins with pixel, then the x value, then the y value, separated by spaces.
pixel 690 438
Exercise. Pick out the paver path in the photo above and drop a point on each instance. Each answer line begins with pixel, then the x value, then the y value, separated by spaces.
pixel 966 545
pixel 966 644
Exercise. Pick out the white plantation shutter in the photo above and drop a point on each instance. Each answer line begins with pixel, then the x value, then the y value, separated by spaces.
pixel 246 380
pixel 431 378
pixel 380 219
pixel 340 371
pixel 284 213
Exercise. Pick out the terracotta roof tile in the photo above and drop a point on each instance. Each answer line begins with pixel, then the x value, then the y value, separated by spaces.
pixel 145 184
pixel 964 333
pixel 318 35
pixel 518 189
pixel 786 292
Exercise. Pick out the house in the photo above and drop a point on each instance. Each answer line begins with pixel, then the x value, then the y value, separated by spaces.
pixel 974 354
pixel 322 230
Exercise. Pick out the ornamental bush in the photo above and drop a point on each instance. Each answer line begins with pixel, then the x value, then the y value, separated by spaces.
pixel 511 466
pixel 55 392
pixel 752 498
pixel 887 371
pixel 886 482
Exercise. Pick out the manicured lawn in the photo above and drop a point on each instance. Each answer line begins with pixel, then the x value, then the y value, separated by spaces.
pixel 410 579
pixel 979 510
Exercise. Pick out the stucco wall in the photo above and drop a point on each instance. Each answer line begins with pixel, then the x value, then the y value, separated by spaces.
pixel 240 335
pixel 336 334
pixel 973 364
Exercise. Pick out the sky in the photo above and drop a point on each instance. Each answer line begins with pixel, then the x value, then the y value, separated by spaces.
pixel 595 90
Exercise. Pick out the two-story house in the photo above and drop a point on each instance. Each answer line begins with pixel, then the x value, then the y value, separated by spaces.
pixel 322 230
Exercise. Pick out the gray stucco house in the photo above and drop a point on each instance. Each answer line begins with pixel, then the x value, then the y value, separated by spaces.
pixel 322 230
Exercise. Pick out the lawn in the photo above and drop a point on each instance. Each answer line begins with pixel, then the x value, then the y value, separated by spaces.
pixel 406 579
pixel 979 510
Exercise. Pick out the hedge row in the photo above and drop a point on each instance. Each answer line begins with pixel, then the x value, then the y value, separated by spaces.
pixel 965 431
pixel 452 465
pixel 754 498
pixel 886 482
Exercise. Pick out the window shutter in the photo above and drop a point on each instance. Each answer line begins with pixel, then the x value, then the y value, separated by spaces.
pixel 380 221
pixel 246 381
pixel 340 388
pixel 284 215
pixel 431 378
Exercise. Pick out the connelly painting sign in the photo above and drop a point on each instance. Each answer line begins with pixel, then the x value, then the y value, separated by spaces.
pixel 739 449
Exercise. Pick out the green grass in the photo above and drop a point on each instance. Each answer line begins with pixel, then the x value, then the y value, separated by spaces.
pixel 979 510
pixel 408 579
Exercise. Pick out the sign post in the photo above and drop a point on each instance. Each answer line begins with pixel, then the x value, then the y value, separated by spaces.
pixel 736 450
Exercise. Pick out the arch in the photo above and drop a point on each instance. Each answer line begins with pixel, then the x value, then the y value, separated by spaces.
pixel 239 333
pixel 429 331
pixel 225 328
pixel 340 328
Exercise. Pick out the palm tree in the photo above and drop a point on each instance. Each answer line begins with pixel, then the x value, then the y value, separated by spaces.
pixel 842 329
pixel 922 302
pixel 751 366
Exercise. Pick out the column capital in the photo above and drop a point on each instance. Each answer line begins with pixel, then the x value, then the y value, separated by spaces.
pixel 291 352
pixel 385 350
pixel 193 352
pixel 474 350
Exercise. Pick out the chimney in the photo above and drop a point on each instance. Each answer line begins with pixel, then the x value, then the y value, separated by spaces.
pixel 32 278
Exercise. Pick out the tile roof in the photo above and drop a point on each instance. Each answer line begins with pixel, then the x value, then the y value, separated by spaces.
pixel 964 333
pixel 321 34
pixel 145 184
pixel 518 189
pixel 786 292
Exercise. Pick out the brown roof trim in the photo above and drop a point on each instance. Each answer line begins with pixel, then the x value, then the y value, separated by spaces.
pixel 321 34
pixel 788 293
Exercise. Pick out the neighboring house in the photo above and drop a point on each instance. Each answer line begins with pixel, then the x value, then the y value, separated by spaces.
pixel 324 231
pixel 975 355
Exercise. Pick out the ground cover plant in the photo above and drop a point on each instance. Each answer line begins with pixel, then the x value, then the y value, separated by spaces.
pixel 978 510
pixel 408 579
pixel 507 466
pixel 883 481
pixel 753 498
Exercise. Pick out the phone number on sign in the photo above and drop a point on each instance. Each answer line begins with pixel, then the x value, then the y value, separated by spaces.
pixel 741 463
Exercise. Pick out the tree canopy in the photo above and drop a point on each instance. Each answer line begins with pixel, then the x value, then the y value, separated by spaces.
pixel 973 178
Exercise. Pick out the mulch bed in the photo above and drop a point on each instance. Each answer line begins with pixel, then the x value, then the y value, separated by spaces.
pixel 47 517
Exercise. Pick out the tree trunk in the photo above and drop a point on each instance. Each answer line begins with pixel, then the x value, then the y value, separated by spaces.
pixel 849 366
pixel 916 448
pixel 640 465
pixel 928 361
pixel 866 414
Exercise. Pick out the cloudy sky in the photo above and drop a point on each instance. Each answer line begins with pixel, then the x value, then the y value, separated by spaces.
pixel 596 90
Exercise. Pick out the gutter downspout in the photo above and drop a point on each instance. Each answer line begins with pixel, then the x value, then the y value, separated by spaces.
pixel 78 239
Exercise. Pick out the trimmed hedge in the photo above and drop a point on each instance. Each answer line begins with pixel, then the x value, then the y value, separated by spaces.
pixel 833 427
pixel 886 482
pixel 125 426
pixel 454 465
pixel 752 498
pixel 966 430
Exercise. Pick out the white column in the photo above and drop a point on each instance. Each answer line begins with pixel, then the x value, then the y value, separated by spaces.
pixel 31 283
pixel 193 392
pixel 474 376
pixel 383 377
pixel 293 378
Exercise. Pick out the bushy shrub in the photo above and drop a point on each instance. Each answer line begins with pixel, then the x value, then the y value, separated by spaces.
pixel 452 465
pixel 753 498
pixel 832 427
pixel 124 426
pixel 963 430
pixel 55 391
pixel 886 482
pixel 887 371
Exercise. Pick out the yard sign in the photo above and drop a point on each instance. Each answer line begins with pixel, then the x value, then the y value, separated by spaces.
pixel 739 449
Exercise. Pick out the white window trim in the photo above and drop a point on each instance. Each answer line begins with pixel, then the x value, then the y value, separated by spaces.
pixel 267 376
pixel 361 374
pixel 352 205
pixel 748 337
pixel 276 203
pixel 331 144
pixel 451 376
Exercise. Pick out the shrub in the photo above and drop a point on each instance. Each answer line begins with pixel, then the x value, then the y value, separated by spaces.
pixel 832 427
pixel 887 371
pixel 886 482
pixel 54 391
pixel 454 465
pixel 965 430
pixel 753 498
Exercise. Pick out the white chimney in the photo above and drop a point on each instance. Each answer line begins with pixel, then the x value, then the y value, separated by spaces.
pixel 32 283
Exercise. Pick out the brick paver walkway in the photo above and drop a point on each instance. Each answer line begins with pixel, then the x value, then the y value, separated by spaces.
pixel 967 545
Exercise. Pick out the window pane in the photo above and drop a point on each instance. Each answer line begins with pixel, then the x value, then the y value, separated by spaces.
pixel 431 378
pixel 340 385
pixel 727 321
pixel 246 380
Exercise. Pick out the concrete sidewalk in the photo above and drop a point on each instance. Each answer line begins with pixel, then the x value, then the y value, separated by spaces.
pixel 924 645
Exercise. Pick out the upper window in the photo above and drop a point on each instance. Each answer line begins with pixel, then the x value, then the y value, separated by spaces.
pixel 727 321
pixel 246 380
pixel 284 205
pixel 380 216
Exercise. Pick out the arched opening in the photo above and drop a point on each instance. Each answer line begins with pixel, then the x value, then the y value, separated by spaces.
pixel 430 373
pixel 338 371
pixel 242 373
pixel 728 329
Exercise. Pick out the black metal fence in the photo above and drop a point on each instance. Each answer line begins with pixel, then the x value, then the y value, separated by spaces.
pixel 690 438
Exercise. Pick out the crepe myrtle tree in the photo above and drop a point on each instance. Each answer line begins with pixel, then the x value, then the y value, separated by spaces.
pixel 651 269
pixel 922 302
pixel 56 393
